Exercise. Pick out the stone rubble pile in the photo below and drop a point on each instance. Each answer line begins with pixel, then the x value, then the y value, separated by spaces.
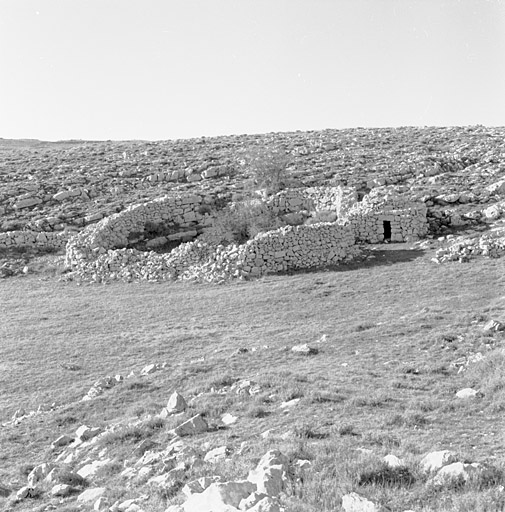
pixel 490 244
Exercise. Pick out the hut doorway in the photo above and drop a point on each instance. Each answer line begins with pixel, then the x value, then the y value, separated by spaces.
pixel 387 230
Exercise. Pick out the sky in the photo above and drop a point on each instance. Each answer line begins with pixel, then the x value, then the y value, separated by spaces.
pixel 172 69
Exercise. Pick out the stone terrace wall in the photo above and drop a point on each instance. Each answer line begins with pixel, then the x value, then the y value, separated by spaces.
pixel 407 217
pixel 34 239
pixel 287 248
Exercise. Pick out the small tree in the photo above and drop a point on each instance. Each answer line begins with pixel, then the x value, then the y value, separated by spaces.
pixel 268 168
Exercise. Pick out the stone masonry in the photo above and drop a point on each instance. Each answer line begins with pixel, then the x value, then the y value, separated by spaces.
pixel 101 253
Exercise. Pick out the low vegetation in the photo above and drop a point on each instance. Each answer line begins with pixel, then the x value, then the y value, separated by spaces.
pixel 391 333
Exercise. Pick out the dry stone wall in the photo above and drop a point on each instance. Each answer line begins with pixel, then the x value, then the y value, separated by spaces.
pixel 337 199
pixel 101 253
pixel 287 248
pixel 385 216
pixel 34 239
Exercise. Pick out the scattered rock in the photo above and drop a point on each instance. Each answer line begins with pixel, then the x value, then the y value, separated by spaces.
pixel 150 368
pixel 219 497
pixel 304 350
pixel 353 502
pixel 176 403
pixel 493 325
pixel 62 490
pixel 63 440
pixel 195 425
pixel 85 433
pixel 270 474
pixel 433 461
pixel 393 462
pixel 101 504
pixel 229 419
pixel 38 473
pixel 91 495
pixel 468 393
pixel 453 474
pixel 217 454
pixel 90 470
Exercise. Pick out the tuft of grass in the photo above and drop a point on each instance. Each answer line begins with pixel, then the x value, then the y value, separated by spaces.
pixel 386 476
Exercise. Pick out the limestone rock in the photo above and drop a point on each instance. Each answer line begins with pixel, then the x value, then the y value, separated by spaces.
pixel 304 350
pixel 467 393
pixel 176 403
pixel 150 368
pixel 393 462
pixel 270 474
pixel 219 497
pixel 216 454
pixel 101 504
pixel 63 440
pixel 251 500
pixel 62 490
pixel 199 485
pixel 38 473
pixel 493 325
pixel 85 433
pixel 195 425
pixel 456 473
pixel 433 461
pixel 353 502
pixel 63 476
pixel 91 495
pixel 229 419
pixel 27 492
pixel 90 470
pixel 266 504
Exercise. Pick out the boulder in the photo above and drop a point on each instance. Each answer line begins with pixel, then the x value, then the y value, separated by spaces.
pixel 467 393
pixel 456 473
pixel 176 403
pixel 62 490
pixel 91 495
pixel 270 474
pixel 393 462
pixel 493 325
pixel 433 461
pixel 304 350
pixel 219 497
pixel 90 470
pixel 27 492
pixel 38 473
pixel 353 502
pixel 195 425
pixel 85 433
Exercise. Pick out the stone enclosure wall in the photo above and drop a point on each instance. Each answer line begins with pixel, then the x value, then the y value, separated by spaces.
pixel 100 252
pixel 35 239
pixel 287 248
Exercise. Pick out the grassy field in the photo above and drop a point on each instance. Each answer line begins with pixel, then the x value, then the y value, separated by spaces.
pixel 382 379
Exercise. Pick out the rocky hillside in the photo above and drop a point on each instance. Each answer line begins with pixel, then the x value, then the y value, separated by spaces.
pixel 66 185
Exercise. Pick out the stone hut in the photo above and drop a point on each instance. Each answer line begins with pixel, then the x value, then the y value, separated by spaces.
pixel 385 215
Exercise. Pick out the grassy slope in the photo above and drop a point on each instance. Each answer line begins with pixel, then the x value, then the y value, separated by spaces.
pixel 382 379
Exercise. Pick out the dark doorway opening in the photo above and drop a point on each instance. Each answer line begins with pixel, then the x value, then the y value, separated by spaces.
pixel 387 230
